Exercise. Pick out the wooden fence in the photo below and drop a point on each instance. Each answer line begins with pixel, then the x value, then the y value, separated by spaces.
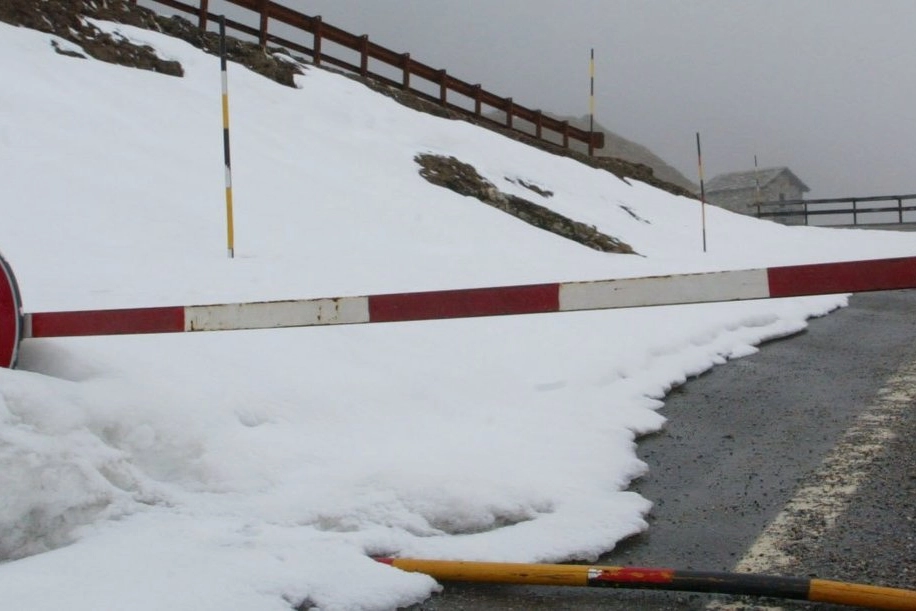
pixel 320 32
pixel 821 207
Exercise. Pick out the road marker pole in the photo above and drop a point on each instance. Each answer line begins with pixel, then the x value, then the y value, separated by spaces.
pixel 230 229
pixel 645 578
pixel 591 105
pixel 702 191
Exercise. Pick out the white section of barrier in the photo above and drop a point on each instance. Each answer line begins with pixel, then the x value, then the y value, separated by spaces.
pixel 665 290
pixel 277 314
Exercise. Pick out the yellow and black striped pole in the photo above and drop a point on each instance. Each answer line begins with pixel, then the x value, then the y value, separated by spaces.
pixel 739 584
pixel 702 191
pixel 230 231
pixel 591 104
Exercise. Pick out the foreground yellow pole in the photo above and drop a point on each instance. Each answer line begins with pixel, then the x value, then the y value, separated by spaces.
pixel 747 584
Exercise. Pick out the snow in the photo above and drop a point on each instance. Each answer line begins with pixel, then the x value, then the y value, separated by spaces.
pixel 261 470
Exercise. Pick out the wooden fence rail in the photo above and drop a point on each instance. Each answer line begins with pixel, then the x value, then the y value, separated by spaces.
pixel 409 68
pixel 819 207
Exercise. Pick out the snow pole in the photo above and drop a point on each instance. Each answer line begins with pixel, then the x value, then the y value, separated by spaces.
pixel 702 191
pixel 644 578
pixel 591 104
pixel 230 231
pixel 10 316
pixel 756 184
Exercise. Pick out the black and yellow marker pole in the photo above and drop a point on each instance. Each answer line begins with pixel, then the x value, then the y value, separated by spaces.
pixel 230 230
pixel 739 584
pixel 702 191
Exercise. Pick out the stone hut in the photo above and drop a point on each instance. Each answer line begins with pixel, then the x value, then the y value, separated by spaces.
pixel 740 191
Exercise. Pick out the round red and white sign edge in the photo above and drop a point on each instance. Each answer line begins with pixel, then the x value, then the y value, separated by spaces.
pixel 10 316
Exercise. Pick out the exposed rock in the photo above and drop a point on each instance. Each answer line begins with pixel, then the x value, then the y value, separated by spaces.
pixel 66 19
pixel 463 179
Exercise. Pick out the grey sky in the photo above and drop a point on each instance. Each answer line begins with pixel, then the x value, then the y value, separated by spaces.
pixel 826 87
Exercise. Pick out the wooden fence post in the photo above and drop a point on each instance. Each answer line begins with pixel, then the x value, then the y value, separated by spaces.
pixel 405 79
pixel 262 32
pixel 538 124
pixel 566 134
pixel 477 102
pixel 509 113
pixel 202 16
pixel 364 55
pixel 443 89
pixel 316 41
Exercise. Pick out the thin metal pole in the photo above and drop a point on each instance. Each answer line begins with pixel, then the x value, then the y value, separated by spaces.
pixel 756 183
pixel 702 190
pixel 230 231
pixel 591 105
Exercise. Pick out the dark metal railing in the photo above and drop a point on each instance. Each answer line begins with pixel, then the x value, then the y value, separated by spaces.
pixel 409 68
pixel 818 207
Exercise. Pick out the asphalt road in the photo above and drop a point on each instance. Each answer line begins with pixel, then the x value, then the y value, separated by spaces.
pixel 818 429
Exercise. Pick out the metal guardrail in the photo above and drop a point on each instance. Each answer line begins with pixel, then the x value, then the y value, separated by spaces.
pixel 818 207
pixel 321 31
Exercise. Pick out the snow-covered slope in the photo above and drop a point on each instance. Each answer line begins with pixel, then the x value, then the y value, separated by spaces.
pixel 260 470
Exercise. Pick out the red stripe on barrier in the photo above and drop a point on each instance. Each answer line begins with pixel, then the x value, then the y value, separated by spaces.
pixel 530 299
pixel 108 322
pixel 848 277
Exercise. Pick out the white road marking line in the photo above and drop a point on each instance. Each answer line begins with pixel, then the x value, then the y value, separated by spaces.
pixel 817 507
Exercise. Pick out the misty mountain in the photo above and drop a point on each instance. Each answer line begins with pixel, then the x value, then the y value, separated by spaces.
pixel 615 145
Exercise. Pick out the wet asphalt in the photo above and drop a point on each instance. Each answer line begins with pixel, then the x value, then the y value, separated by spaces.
pixel 740 441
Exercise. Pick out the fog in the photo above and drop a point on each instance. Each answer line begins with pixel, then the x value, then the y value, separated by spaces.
pixel 825 87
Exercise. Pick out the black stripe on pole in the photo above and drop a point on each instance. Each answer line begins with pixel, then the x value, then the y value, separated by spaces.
pixel 709 582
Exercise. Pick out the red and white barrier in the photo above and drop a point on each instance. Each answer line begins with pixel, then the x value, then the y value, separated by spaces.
pixel 791 281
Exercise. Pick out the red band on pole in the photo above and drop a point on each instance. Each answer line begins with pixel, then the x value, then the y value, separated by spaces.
pixel 632 575
pixel 108 322
pixel 530 299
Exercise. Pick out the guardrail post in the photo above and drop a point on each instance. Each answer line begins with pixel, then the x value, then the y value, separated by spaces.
pixel 566 134
pixel 364 55
pixel 316 41
pixel 202 16
pixel 477 103
pixel 262 30
pixel 509 113
pixel 443 89
pixel 538 124
pixel 405 80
